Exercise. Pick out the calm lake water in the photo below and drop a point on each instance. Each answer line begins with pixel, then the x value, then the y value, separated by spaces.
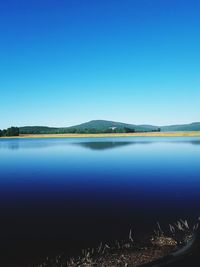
pixel 60 195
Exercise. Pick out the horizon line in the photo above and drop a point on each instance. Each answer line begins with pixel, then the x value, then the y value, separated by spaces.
pixel 142 124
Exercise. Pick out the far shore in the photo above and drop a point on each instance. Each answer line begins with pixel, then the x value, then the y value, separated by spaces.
pixel 162 134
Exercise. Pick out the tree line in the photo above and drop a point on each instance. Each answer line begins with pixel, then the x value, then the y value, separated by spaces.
pixel 15 131
pixel 74 130
pixel 12 131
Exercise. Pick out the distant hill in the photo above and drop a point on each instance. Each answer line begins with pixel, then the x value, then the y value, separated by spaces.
pixel 195 126
pixel 103 126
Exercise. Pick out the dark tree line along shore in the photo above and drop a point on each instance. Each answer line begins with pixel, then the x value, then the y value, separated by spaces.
pixel 81 130
pixel 16 131
pixel 12 131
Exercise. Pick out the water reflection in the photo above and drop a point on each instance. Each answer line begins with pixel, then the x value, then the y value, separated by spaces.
pixel 195 142
pixel 92 143
pixel 29 143
pixel 103 145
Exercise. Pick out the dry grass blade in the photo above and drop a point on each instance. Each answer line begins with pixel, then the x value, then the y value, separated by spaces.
pixel 130 235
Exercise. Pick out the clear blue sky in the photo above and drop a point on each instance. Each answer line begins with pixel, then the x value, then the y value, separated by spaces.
pixel 63 62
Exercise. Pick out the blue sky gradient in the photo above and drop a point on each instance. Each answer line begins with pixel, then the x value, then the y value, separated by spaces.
pixel 64 62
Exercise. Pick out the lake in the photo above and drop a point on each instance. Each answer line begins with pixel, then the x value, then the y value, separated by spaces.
pixel 61 195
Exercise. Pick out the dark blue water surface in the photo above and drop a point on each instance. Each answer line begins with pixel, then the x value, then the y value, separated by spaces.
pixel 60 195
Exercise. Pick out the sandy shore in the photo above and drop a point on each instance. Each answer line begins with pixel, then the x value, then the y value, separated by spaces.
pixel 165 134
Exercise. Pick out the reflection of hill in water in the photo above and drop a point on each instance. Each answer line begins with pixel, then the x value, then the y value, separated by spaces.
pixel 93 145
pixel 107 145
pixel 34 144
pixel 197 142
pixel 192 142
pixel 102 145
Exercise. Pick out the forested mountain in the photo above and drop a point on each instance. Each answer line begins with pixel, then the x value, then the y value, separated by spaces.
pixel 103 126
pixel 94 126
pixel 195 126
pixel 99 126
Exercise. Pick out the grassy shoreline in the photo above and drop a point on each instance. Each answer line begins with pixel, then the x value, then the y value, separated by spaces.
pixel 150 134
pixel 130 251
